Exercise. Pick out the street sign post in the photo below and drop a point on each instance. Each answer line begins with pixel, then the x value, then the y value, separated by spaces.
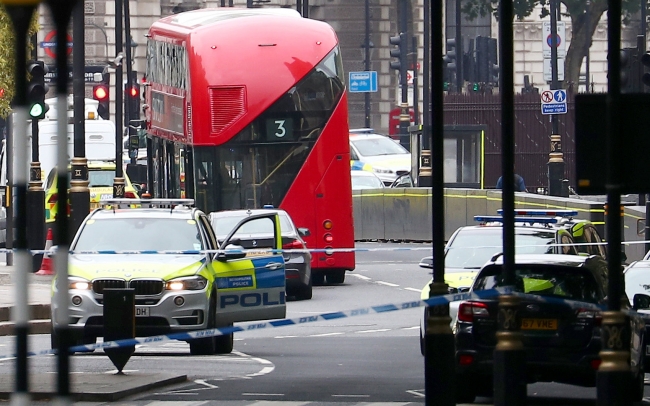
pixel 363 82
pixel 547 39
pixel 554 101
pixel 548 73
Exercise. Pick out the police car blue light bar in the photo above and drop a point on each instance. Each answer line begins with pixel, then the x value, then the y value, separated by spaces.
pixel 144 202
pixel 538 212
pixel 499 219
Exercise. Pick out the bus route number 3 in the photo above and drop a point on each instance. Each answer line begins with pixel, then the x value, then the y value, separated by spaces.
pixel 279 129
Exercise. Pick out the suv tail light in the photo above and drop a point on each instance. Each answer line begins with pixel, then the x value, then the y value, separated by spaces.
pixel 129 195
pixel 293 245
pixel 590 314
pixel 53 198
pixel 468 310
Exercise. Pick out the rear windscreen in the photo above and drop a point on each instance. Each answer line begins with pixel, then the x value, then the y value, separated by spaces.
pixel 545 280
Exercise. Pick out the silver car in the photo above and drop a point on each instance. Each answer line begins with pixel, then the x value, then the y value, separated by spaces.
pixel 297 264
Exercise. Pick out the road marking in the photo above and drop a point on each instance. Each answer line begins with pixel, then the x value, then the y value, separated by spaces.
pixel 204 383
pixel 416 392
pixel 411 328
pixel 262 394
pixel 372 331
pixel 413 289
pixel 364 277
pixel 351 396
pixel 325 334
pixel 285 336
pixel 387 284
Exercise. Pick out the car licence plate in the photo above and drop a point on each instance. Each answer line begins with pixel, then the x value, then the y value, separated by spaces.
pixel 539 324
pixel 142 312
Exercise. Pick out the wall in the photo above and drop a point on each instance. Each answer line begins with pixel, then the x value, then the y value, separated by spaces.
pixel 406 214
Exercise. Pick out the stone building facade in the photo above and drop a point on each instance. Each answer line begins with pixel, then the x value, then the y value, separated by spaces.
pixel 347 17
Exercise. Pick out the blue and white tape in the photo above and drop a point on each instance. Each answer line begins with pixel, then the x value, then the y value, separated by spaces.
pixel 434 301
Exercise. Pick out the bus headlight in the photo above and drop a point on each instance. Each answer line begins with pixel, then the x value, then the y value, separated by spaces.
pixel 187 283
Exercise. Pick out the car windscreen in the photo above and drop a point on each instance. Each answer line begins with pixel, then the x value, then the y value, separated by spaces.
pixel 637 279
pixel 378 146
pixel 472 248
pixel 366 182
pixel 101 178
pixel 224 225
pixel 129 234
pixel 566 282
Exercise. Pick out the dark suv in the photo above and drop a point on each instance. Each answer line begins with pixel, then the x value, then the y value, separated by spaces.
pixel 562 343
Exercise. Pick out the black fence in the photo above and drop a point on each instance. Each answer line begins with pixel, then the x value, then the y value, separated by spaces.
pixel 532 134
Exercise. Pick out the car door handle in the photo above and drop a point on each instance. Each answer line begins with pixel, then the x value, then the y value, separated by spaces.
pixel 273 266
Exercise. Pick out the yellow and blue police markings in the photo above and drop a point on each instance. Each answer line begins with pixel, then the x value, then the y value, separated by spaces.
pixel 357 165
pixel 454 280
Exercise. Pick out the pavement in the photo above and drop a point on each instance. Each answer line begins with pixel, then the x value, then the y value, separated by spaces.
pixel 89 387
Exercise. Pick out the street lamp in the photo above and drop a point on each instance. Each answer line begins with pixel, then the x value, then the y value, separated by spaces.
pixel 133 46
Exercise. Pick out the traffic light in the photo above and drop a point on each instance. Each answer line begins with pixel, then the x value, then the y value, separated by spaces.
pixel 451 56
pixel 132 102
pixel 37 89
pixel 645 62
pixel 398 52
pixel 629 70
pixel 492 60
pixel 101 94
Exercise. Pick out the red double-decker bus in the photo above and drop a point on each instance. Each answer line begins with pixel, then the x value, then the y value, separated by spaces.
pixel 247 108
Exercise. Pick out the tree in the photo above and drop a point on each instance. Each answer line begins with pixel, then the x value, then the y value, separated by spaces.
pixel 8 58
pixel 584 20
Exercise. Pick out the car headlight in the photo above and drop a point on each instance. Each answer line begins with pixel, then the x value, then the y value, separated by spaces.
pixel 187 283
pixel 79 284
pixel 382 170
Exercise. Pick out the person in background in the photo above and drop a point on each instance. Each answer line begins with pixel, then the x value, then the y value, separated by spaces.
pixel 520 186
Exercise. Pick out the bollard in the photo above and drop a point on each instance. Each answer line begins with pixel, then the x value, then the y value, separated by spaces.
pixel 614 376
pixel 119 324
pixel 509 356
pixel 439 353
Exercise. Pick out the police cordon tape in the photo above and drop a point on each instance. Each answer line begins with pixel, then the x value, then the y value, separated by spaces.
pixel 311 250
pixel 363 311
pixel 434 301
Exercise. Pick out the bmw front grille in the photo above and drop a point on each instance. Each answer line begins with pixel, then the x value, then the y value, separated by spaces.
pixel 142 287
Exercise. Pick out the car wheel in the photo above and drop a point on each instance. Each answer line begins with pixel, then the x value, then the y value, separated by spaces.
pixel 336 276
pixel 225 343
pixel 464 393
pixel 638 386
pixel 318 278
pixel 305 291
pixel 206 346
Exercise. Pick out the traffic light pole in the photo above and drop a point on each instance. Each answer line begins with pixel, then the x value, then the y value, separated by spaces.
pixel 404 117
pixel 614 376
pixel 79 192
pixel 130 101
pixel 61 11
pixel 35 192
pixel 439 358
pixel 118 182
pixel 424 175
pixel 556 156
pixel 21 16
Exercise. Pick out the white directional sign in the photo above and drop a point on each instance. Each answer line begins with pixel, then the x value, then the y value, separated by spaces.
pixel 547 39
pixel 548 73
pixel 554 101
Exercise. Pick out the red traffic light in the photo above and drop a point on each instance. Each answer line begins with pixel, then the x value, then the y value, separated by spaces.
pixel 133 91
pixel 100 92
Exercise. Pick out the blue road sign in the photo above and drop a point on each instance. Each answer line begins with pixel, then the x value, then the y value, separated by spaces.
pixel 363 82
pixel 554 102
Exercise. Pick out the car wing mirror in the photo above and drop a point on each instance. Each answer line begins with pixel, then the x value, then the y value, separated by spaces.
pixel 452 290
pixel 304 232
pixel 426 262
pixel 463 289
pixel 641 302
pixel 640 226
pixel 232 251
